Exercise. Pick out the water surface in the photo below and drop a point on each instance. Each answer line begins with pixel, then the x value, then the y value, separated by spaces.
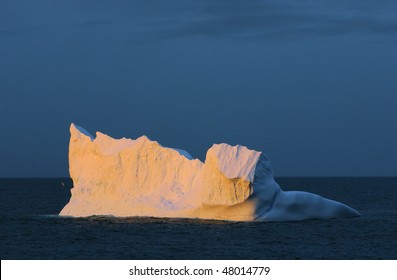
pixel 31 229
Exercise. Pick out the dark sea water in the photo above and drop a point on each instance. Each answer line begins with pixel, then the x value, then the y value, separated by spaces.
pixel 31 229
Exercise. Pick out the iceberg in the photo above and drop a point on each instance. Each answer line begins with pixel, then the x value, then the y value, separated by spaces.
pixel 125 177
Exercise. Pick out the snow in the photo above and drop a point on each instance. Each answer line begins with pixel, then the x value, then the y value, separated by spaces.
pixel 125 177
pixel 108 146
pixel 234 161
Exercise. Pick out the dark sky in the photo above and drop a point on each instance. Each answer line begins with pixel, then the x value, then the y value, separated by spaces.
pixel 312 84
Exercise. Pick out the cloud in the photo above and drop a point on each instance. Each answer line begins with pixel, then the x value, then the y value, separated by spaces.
pixel 149 21
pixel 286 20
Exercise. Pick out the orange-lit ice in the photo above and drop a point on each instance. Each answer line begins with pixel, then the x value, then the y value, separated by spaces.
pixel 124 177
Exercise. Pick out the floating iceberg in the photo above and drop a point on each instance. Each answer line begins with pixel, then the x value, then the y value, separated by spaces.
pixel 124 177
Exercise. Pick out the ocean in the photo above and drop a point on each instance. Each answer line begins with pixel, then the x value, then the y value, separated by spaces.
pixel 31 229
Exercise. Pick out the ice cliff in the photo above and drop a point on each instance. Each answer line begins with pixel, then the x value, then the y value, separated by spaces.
pixel 124 177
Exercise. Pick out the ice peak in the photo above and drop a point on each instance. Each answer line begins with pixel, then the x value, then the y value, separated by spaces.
pixel 78 130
